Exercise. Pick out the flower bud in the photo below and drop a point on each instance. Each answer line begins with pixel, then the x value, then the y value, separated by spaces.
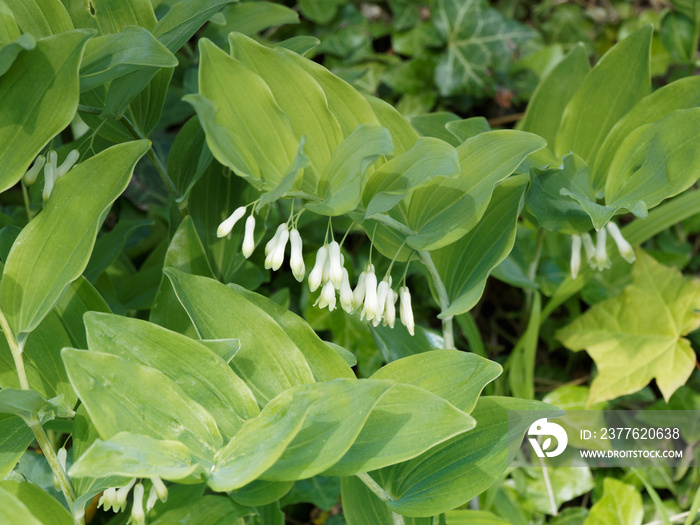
pixel 335 268
pixel 588 247
pixel 122 493
pixel 138 517
pixel 61 457
pixel 225 227
pixel 358 295
pixel 575 255
pixel 371 307
pixel 382 293
pixel 53 159
pixel 600 259
pixel 49 179
pixel 33 172
pixel 390 309
pixel 406 310
pixel 327 297
pixel 108 499
pixel 624 247
pixel 249 238
pixel 276 257
pixel 296 260
pixel 346 295
pixel 316 274
pixel 68 163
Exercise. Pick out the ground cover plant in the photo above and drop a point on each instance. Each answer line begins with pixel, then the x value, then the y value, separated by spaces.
pixel 267 263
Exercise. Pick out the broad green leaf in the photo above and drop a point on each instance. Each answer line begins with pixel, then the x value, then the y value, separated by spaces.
pixel 638 335
pixel 45 79
pixel 63 326
pixel 189 157
pixel 268 361
pixel 232 101
pixel 208 510
pixel 319 11
pixel 184 19
pixel 546 107
pixel 31 406
pixel 454 472
pixel 479 40
pixel 300 45
pixel 261 492
pixel 298 166
pixel 682 94
pixel 249 18
pixel 361 506
pixel 619 80
pixel 678 36
pixel 690 8
pixel 113 16
pixel 465 265
pixel 444 210
pixel 59 240
pixel 321 491
pixel 620 501
pixel 656 161
pixel 15 437
pixel 11 50
pixel 9 30
pixel 467 128
pixel 406 421
pixel 458 377
pixel 473 517
pixel 324 363
pixel 135 455
pixel 299 96
pixel 340 184
pixel 435 125
pixel 110 245
pixel 396 343
pixel 12 510
pixel 187 254
pixel 200 373
pixel 388 185
pixel 403 136
pixel 41 18
pixel 124 396
pixel 565 482
pixel 44 508
pixel 111 56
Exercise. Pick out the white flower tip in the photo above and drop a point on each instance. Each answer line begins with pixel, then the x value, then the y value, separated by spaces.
pixel 138 517
pixel 33 172
pixel 575 255
pixel 406 310
pixel 249 239
pixel 296 259
pixel 227 225
pixel 68 163
pixel 624 247
pixel 347 298
pixel 316 275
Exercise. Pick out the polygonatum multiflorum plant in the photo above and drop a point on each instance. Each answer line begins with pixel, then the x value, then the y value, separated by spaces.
pixel 176 393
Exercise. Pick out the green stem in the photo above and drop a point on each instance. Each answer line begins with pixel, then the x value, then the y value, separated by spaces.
pixel 427 260
pixel 27 203
pixel 39 433
pixel 374 487
pixel 532 269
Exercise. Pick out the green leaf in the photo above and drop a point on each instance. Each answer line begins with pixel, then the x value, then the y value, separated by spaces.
pixel 189 157
pixel 619 499
pixel 319 11
pixel 321 491
pixel 361 506
pixel 135 455
pixel 324 363
pixel 184 19
pixel 454 472
pixel 394 179
pixel 444 210
pixel 465 265
pixel 268 361
pixel 31 406
pixel 232 100
pixel 619 80
pixel 9 30
pixel 111 56
pixel 41 18
pixel 124 396
pixel 109 245
pixel 473 517
pixel 44 79
pixel 260 492
pixel 479 40
pixel 113 16
pixel 340 185
pixel 300 162
pixel 208 510
pixel 637 336
pixel 655 161
pixel 44 508
pixel 467 128
pixel 546 107
pixel 59 240
pixel 677 35
pixel 435 125
pixel 461 386
pixel 10 51
pixel 201 374
pixel 403 135
pixel 682 94
pixel 249 18
pixel 15 437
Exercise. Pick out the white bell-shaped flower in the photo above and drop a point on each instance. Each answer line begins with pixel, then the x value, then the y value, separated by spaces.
pixel 359 292
pixel 296 260
pixel 49 179
pixel 122 493
pixel 347 298
pixel 272 243
pixel 158 492
pixel 390 309
pixel 335 267
pixel 327 297
pixel 108 500
pixel 275 258
pixel 575 255
pixel 371 306
pixel 68 163
pixel 624 247
pixel 588 247
pixel 405 309
pixel 600 260
pixel 33 172
pixel 316 275
pixel 138 516
pixel 249 238
pixel 382 293
pixel 227 225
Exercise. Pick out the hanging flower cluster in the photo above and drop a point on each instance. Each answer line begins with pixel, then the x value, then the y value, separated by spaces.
pixel 115 498
pixel 596 254
pixel 375 301
pixel 52 171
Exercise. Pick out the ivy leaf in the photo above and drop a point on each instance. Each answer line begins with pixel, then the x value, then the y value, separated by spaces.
pixel 637 336
pixel 479 40
pixel 619 499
